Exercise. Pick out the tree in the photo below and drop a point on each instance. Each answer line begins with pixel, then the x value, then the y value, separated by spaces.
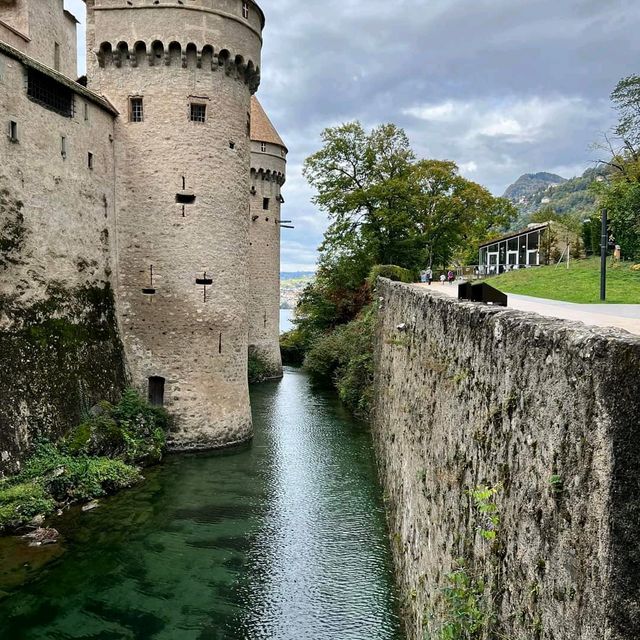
pixel 388 208
pixel 619 192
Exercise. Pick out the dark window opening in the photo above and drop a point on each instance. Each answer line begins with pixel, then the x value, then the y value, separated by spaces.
pixel 149 291
pixel 156 391
pixel 263 147
pixel 136 110
pixel 265 204
pixel 220 343
pixel 185 198
pixel 232 145
pixel 198 112
pixel 63 147
pixel 13 131
pixel 50 93
pixel 90 160
pixel 204 282
pixel 56 56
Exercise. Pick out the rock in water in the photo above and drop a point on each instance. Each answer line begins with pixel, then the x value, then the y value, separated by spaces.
pixel 42 536
pixel 90 506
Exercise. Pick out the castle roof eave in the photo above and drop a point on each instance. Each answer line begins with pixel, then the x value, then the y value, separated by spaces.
pixel 31 63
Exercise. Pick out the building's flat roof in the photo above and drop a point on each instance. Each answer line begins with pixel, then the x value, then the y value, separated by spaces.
pixel 516 234
pixel 27 61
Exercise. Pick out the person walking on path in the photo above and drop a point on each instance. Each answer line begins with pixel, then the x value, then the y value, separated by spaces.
pixel 451 276
pixel 429 276
pixel 443 279
pixel 423 276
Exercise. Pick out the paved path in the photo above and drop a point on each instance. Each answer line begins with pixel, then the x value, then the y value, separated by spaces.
pixel 620 316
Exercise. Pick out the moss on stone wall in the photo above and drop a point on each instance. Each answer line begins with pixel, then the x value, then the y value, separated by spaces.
pixel 13 231
pixel 58 358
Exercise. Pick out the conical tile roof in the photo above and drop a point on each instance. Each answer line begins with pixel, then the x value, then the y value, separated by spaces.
pixel 262 130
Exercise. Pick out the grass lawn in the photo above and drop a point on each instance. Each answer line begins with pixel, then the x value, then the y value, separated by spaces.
pixel 580 283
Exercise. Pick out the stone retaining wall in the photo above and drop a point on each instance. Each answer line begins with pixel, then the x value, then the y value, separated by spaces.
pixel 541 410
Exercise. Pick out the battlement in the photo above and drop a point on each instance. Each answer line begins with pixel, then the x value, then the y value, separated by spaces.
pixel 176 55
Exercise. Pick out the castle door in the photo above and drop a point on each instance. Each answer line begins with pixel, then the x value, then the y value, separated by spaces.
pixel 156 391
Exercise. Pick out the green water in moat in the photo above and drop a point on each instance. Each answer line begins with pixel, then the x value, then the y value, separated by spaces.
pixel 283 540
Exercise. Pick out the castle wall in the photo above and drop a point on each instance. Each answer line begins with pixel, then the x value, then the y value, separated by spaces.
pixel 42 24
pixel 59 348
pixel 544 412
pixel 267 177
pixel 190 335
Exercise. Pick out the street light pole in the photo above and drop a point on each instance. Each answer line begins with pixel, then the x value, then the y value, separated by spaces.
pixel 604 245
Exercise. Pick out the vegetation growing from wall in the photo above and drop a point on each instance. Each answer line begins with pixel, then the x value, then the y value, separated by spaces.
pixel 465 609
pixel 99 457
pixel 258 369
pixel 70 357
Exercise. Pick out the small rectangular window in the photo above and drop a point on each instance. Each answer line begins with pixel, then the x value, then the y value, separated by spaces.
pixel 263 147
pixel 56 56
pixel 90 160
pixel 245 10
pixel 198 112
pixel 265 204
pixel 86 111
pixel 63 147
pixel 13 131
pixel 136 110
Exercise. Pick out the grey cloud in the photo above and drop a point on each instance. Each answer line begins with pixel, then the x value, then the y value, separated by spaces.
pixel 527 80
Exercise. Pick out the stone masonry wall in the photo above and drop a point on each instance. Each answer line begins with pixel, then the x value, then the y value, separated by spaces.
pixel 541 410
pixel 192 336
pixel 267 177
pixel 59 347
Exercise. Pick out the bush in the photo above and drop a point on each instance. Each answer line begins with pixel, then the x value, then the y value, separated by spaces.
pixel 390 271
pixel 22 501
pixel 345 356
pixel 132 431
pixel 92 461
pixel 72 478
pixel 258 370
pixel 292 347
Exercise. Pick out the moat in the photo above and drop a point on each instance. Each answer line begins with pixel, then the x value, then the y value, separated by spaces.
pixel 283 540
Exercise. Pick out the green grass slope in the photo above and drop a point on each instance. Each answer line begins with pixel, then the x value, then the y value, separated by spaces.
pixel 580 283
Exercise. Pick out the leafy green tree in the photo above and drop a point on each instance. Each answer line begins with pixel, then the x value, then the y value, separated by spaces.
pixel 619 192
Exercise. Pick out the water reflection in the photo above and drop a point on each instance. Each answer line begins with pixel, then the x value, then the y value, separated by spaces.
pixel 284 540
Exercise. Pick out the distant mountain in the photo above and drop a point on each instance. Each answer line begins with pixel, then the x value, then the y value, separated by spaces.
pixel 294 275
pixel 529 184
pixel 570 199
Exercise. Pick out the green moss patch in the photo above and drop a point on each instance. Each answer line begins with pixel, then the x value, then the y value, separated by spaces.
pixel 95 459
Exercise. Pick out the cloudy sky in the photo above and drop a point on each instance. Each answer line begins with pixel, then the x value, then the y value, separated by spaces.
pixel 502 87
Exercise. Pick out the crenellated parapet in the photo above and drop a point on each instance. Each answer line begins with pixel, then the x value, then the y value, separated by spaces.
pixel 267 175
pixel 190 56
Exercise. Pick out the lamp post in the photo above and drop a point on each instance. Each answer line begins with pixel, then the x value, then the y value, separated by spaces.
pixel 604 244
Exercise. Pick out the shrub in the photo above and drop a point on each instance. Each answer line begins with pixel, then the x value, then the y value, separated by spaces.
pixel 390 271
pixel 22 501
pixel 91 462
pixel 258 370
pixel 132 431
pixel 292 347
pixel 72 478
pixel 345 356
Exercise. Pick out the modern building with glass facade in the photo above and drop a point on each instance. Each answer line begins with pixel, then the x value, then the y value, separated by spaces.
pixel 530 247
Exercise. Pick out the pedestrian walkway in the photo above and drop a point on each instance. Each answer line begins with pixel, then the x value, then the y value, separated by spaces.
pixel 620 316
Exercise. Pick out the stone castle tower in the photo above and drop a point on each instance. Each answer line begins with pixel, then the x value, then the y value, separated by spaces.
pixel 182 76
pixel 143 220
pixel 268 174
